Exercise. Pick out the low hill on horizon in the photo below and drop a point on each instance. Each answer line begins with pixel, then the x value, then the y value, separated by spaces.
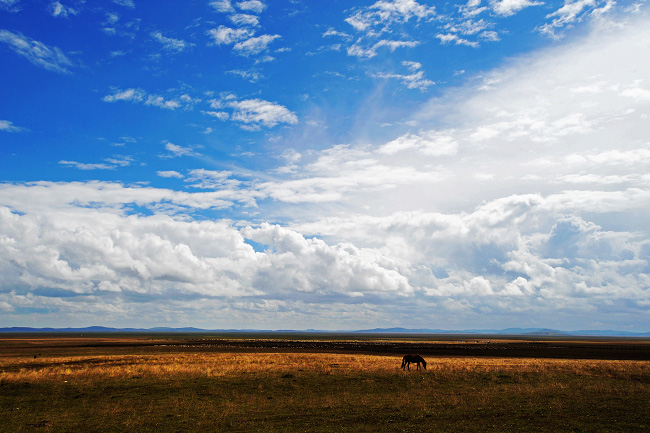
pixel 395 330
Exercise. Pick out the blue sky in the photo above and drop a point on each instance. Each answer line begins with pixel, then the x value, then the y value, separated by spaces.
pixel 331 165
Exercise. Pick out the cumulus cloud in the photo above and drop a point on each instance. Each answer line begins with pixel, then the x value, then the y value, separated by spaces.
pixel 498 256
pixel 41 55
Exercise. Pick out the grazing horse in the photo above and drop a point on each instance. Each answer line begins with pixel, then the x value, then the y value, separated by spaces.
pixel 406 361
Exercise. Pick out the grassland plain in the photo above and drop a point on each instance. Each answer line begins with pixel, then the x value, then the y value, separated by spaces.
pixel 115 384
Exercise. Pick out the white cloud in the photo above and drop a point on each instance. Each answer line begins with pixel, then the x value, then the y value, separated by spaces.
pixel 59 10
pixel 333 32
pixel 415 80
pixel 8 126
pixel 446 38
pixel 159 101
pixel 171 44
pixel 176 151
pixel 170 174
pixel 244 42
pixel 87 166
pixel 386 13
pixel 223 6
pixel 252 76
pixel 126 3
pixel 221 115
pixel 212 179
pixel 50 58
pixel 257 112
pixel 255 6
pixel 432 143
pixel 342 173
pixel 108 164
pixel 140 96
pixel 254 45
pixel 227 35
pixel 132 95
pixel 510 7
pixel 10 5
pixel 572 12
pixel 358 51
pixel 244 20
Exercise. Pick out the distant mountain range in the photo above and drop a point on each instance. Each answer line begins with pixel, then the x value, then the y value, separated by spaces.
pixel 508 331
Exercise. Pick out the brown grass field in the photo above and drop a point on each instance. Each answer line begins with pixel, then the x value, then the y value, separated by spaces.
pixel 150 383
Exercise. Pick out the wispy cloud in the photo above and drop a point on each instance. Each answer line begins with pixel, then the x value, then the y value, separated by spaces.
pixel 252 113
pixel 176 151
pixel 447 38
pixel 358 51
pixel 414 80
pixel 8 126
pixel 255 6
pixel 44 56
pixel 10 5
pixel 227 35
pixel 108 164
pixel 573 12
pixel 170 174
pixel 380 16
pixel 252 76
pixel 244 20
pixel 242 39
pixel 59 10
pixel 137 95
pixel 126 3
pixel 254 45
pixel 171 44
pixel 223 6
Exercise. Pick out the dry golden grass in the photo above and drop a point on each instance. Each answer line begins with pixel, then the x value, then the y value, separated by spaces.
pixel 156 366
pixel 286 391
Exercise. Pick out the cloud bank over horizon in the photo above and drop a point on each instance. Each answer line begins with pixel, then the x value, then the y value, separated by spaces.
pixel 515 196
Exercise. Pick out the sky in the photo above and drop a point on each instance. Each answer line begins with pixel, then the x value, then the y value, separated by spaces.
pixel 334 165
